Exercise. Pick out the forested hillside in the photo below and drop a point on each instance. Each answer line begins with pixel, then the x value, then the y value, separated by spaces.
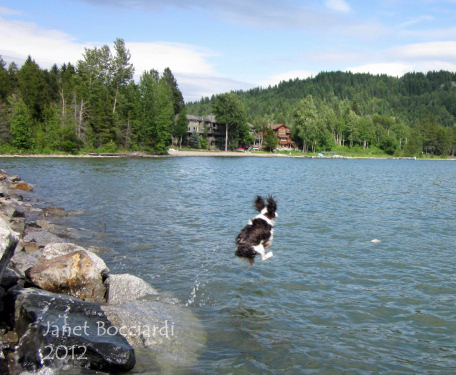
pixel 410 115
pixel 94 105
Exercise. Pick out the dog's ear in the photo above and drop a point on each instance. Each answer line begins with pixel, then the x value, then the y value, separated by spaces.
pixel 259 203
pixel 272 206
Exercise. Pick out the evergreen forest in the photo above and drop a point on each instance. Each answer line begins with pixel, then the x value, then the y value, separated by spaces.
pixel 94 105
pixel 413 115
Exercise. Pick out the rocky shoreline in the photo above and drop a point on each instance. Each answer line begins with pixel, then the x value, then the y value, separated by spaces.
pixel 62 308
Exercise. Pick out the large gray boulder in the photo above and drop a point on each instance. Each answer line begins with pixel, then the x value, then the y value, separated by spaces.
pixel 56 330
pixel 23 260
pixel 74 274
pixel 62 248
pixel 125 287
pixel 42 237
pixel 8 243
pixel 7 235
pixel 166 336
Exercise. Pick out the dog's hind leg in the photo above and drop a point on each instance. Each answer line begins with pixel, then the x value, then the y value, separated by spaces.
pixel 267 256
pixel 261 250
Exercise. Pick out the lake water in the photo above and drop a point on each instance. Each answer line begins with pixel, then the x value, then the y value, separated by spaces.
pixel 329 302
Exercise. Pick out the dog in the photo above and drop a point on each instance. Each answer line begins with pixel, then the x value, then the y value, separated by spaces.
pixel 257 235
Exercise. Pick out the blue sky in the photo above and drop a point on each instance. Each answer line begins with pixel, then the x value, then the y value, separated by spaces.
pixel 216 46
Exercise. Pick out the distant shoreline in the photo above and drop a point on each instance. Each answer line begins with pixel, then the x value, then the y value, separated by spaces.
pixel 179 153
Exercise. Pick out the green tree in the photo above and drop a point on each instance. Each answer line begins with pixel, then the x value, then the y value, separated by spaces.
pixel 178 99
pixel 121 68
pixel 164 117
pixel 129 115
pixel 20 123
pixel 270 140
pixel 306 123
pixel 352 121
pixel 157 112
pixel 229 110
pixel 4 81
pixel 180 126
pixel 33 89
pixel 194 141
pixel 95 99
pixel 452 141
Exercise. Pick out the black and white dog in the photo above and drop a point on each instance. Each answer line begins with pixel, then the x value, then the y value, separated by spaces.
pixel 257 235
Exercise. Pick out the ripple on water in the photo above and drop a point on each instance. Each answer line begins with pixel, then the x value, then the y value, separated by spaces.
pixel 329 302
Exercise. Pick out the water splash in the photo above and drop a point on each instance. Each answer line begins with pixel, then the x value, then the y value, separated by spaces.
pixel 195 289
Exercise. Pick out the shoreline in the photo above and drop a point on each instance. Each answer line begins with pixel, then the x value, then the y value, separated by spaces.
pixel 179 153
pixel 116 319
pixel 271 155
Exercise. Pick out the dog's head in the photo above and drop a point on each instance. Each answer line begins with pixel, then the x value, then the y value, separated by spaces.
pixel 267 207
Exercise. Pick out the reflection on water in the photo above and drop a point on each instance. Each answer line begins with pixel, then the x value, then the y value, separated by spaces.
pixel 329 301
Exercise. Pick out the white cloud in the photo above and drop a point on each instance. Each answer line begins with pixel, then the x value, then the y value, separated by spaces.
pixel 195 76
pixel 416 21
pixel 8 12
pixel 394 69
pixel 431 50
pixel 418 57
pixel 20 39
pixel 180 58
pixel 190 65
pixel 286 76
pixel 198 86
pixel 302 15
pixel 338 5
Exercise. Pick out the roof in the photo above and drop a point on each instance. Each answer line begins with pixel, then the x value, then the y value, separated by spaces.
pixel 277 126
pixel 208 118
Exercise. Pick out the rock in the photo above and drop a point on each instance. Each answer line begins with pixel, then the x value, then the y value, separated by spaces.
pixel 23 260
pixel 10 177
pixel 12 209
pixel 58 230
pixel 30 246
pixel 17 211
pixel 54 211
pixel 8 243
pixel 124 287
pixel 7 235
pixel 57 330
pixel 3 191
pixel 18 225
pixel 10 337
pixel 172 335
pixel 53 250
pixel 74 274
pixel 42 237
pixel 10 278
pixel 22 186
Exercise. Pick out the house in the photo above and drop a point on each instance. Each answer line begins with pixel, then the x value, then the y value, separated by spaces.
pixel 208 127
pixel 283 133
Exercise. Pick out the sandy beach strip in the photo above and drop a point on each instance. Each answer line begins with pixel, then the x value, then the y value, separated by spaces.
pixel 171 153
pixel 223 153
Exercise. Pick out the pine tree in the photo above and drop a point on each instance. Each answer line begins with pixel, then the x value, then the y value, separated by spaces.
pixel 33 89
pixel 178 99
pixel 20 123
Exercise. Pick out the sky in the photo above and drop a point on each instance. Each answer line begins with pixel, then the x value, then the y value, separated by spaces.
pixel 214 46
